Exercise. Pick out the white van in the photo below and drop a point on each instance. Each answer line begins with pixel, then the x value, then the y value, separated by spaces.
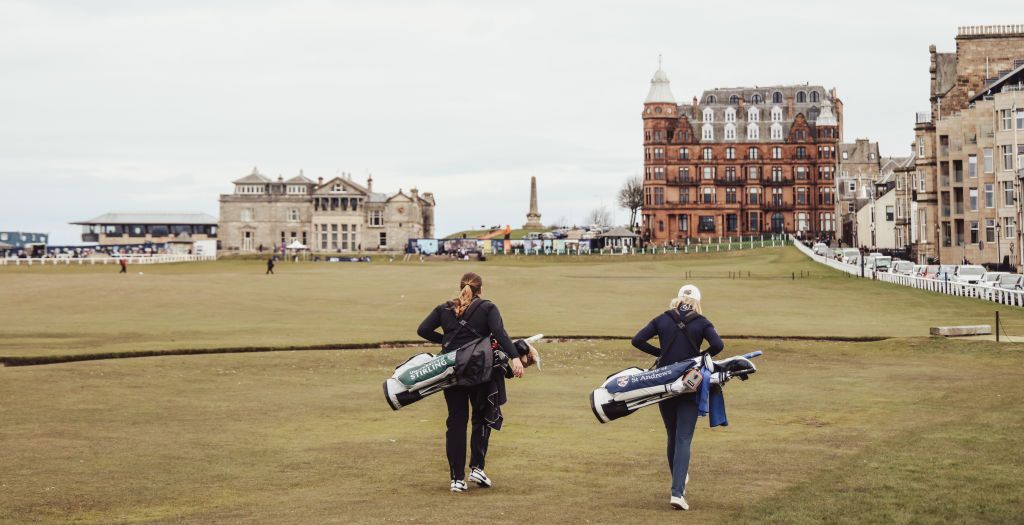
pixel 968 274
pixel 847 255
pixel 819 248
pixel 879 263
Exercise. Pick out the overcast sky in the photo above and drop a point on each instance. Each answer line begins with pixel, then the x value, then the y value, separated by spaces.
pixel 158 105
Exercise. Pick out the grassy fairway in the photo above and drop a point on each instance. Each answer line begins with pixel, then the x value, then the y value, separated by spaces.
pixel 887 432
pixel 67 310
pixel 904 430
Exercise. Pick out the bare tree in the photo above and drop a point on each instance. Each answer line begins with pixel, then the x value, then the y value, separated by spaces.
pixel 599 216
pixel 631 197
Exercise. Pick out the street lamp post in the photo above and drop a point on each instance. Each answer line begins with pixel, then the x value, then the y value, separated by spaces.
pixel 1020 215
pixel 999 242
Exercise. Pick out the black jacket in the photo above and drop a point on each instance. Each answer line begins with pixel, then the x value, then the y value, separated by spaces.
pixel 674 345
pixel 486 321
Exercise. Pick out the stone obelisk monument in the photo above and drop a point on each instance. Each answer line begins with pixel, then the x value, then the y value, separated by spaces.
pixel 533 218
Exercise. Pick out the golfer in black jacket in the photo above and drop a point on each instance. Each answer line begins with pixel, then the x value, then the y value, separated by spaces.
pixel 483 317
pixel 679 413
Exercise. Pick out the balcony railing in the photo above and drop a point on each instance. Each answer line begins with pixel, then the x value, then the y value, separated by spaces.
pixel 779 206
pixel 924 117
pixel 785 181
pixel 729 181
pixel 688 181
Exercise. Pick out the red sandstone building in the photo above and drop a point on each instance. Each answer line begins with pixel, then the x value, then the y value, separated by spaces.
pixel 740 161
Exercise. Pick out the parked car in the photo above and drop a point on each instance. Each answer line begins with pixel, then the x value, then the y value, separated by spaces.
pixel 931 271
pixel 991 279
pixel 945 272
pixel 918 270
pixel 903 267
pixel 846 254
pixel 880 263
pixel 968 274
pixel 1011 281
pixel 819 248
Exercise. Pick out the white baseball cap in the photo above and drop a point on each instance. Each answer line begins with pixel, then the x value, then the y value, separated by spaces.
pixel 690 290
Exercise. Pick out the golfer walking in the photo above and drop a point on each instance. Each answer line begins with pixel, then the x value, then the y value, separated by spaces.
pixel 681 330
pixel 479 317
pixel 270 266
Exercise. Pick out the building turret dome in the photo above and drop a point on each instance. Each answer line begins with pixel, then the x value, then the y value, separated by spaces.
pixel 660 90
pixel 826 117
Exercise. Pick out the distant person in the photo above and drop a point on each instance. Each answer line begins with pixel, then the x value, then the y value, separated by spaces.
pixel 463 320
pixel 261 248
pixel 270 266
pixel 124 265
pixel 681 330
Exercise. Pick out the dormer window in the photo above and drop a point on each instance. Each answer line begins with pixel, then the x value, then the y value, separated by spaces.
pixel 730 132
pixel 730 115
pixel 707 132
pixel 337 188
pixel 776 131
pixel 249 189
pixel 711 99
pixel 296 189
pixel 756 99
pixel 776 114
pixel 734 100
pixel 801 97
pixel 709 116
pixel 753 114
pixel 753 133
pixel 814 96
pixel 777 98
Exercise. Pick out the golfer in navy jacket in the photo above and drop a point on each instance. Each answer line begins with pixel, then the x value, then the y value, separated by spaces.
pixel 675 345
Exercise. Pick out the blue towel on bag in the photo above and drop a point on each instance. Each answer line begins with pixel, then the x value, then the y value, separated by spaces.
pixel 711 401
pixel 705 388
pixel 717 406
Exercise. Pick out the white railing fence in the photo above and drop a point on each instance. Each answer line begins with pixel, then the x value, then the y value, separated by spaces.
pixel 132 260
pixel 986 293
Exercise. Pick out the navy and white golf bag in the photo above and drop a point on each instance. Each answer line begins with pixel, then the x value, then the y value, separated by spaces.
pixel 425 374
pixel 627 391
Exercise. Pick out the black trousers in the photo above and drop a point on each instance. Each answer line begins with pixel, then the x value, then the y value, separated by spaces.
pixel 459 400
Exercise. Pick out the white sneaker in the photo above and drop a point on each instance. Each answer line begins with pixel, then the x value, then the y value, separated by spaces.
pixel 459 485
pixel 679 503
pixel 481 479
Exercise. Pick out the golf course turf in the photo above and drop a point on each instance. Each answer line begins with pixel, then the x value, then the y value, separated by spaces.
pixel 905 429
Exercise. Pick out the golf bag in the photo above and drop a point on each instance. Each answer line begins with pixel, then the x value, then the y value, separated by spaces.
pixel 426 374
pixel 627 391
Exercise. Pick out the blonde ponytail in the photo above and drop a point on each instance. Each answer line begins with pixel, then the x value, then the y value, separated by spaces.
pixel 469 285
pixel 687 302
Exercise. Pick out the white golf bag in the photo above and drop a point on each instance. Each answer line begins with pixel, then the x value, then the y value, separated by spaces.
pixel 631 389
pixel 425 374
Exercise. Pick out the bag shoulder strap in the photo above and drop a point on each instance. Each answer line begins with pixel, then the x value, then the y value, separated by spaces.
pixel 681 324
pixel 464 321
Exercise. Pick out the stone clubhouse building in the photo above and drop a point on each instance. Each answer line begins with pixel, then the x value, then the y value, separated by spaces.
pixel 328 216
